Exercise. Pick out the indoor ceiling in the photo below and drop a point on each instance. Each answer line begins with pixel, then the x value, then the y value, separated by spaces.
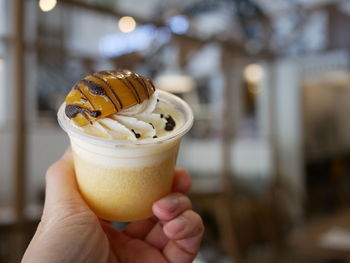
pixel 149 9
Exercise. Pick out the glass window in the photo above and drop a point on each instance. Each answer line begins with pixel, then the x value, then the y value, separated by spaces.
pixel 3 24
pixel 2 81
pixel 3 61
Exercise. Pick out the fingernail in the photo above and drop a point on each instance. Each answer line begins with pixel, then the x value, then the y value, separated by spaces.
pixel 169 203
pixel 177 225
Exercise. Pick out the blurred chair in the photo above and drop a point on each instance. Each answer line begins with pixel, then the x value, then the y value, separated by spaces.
pixel 327 238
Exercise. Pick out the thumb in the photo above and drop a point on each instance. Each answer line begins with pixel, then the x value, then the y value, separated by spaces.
pixel 61 186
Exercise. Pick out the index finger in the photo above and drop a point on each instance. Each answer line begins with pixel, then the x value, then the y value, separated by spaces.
pixel 140 229
pixel 182 181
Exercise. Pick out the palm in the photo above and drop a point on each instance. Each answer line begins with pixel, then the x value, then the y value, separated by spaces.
pixel 70 232
pixel 138 242
pixel 141 241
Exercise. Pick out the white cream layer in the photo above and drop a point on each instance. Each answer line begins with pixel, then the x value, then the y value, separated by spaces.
pixel 142 121
pixel 120 126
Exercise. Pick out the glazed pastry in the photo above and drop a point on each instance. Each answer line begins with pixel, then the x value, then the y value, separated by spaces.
pixel 105 93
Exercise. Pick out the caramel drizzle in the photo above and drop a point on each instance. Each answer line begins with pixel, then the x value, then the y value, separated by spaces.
pixel 72 110
pixel 143 84
pixel 76 87
pixel 94 88
pixel 110 88
pixel 129 85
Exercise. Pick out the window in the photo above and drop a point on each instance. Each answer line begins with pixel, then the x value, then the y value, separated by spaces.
pixel 3 58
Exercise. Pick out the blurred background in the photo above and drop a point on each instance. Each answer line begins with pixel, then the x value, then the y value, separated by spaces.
pixel 269 84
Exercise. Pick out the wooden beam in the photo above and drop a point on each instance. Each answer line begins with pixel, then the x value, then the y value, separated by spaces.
pixel 18 80
pixel 227 224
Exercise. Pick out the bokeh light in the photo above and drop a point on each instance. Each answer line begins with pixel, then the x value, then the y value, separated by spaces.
pixel 127 24
pixel 178 24
pixel 253 73
pixel 175 83
pixel 47 5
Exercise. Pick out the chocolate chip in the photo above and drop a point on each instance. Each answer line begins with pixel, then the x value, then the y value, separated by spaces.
pixel 170 124
pixel 137 135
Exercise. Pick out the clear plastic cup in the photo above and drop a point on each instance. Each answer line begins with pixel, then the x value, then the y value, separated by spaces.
pixel 120 180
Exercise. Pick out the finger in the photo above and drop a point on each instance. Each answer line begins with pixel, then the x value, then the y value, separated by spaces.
pixel 128 249
pixel 185 233
pixel 166 209
pixel 140 229
pixel 115 237
pixel 61 186
pixel 156 237
pixel 182 181
pixel 171 206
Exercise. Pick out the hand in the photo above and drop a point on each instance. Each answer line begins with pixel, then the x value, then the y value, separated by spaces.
pixel 70 232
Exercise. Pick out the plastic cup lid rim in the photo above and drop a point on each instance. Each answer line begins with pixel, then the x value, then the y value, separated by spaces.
pixel 64 122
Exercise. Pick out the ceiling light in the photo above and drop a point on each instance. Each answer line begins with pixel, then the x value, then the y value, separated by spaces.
pixel 127 24
pixel 253 73
pixel 2 64
pixel 47 5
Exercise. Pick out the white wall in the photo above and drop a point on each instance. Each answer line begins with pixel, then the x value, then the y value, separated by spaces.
pixel 201 158
pixel 6 164
pixel 45 145
pixel 289 129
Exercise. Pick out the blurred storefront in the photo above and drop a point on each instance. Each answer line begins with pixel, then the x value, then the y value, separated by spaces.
pixel 268 82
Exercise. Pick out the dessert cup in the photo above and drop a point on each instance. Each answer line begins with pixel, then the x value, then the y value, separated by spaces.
pixel 121 179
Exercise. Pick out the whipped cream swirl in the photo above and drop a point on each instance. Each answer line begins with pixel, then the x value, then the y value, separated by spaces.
pixel 141 121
